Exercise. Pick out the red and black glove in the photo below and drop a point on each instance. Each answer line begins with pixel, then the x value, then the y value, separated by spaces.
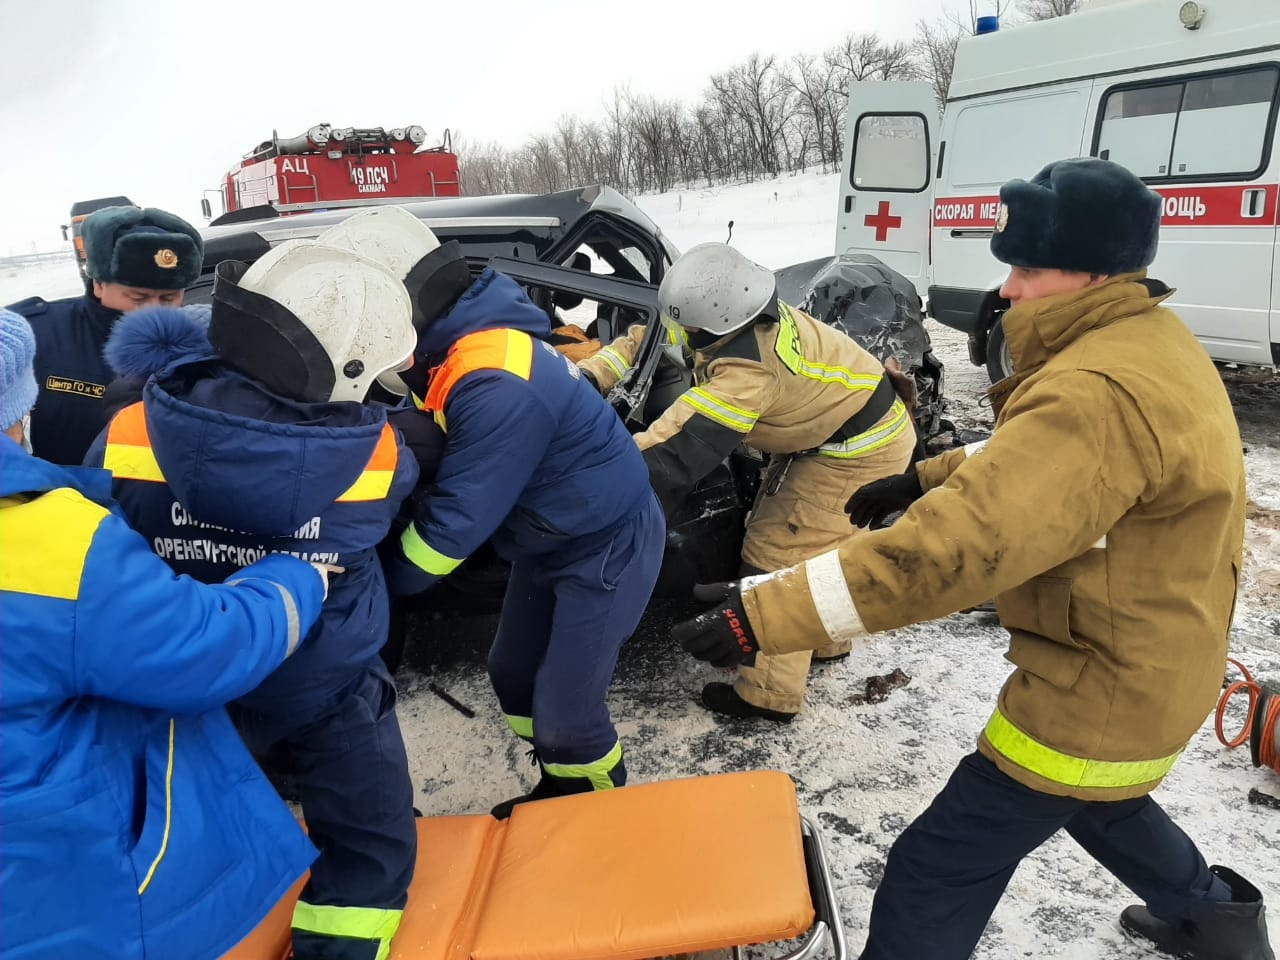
pixel 869 506
pixel 722 635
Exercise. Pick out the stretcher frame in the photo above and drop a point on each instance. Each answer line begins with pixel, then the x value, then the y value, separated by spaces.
pixel 717 863
pixel 827 926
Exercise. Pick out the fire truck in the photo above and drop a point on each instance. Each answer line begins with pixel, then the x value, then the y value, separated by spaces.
pixel 71 230
pixel 329 167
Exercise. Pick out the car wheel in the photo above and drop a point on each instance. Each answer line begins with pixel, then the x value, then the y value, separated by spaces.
pixel 999 360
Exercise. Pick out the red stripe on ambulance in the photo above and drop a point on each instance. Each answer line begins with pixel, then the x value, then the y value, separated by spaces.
pixel 1237 205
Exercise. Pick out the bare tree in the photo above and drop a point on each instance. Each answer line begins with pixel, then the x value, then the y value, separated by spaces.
pixel 862 56
pixel 813 82
pixel 568 146
pixel 936 49
pixel 1048 9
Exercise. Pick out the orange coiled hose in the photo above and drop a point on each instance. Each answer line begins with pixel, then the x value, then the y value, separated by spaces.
pixel 1262 720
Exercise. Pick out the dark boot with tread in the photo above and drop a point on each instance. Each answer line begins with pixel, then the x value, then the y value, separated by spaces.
pixel 1234 929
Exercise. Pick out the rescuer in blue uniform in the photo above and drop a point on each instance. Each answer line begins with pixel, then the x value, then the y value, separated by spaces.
pixel 135 823
pixel 251 441
pixel 134 258
pixel 536 460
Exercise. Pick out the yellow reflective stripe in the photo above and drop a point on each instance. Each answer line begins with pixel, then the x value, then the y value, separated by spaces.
pixel 787 347
pixel 597 771
pixel 168 816
pixel 827 373
pixel 44 542
pixel 128 462
pixel 370 485
pixel 873 439
pixel 523 726
pixel 359 923
pixel 735 418
pixel 614 361
pixel 1063 768
pixel 423 555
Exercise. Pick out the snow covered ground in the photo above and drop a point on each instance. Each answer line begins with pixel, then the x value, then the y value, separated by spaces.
pixel 864 771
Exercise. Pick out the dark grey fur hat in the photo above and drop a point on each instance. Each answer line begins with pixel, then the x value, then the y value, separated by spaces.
pixel 1083 214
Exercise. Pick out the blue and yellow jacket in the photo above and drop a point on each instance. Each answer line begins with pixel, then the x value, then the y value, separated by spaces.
pixel 534 457
pixel 216 471
pixel 133 822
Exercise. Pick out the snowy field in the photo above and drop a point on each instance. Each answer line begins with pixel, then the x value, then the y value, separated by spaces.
pixel 864 772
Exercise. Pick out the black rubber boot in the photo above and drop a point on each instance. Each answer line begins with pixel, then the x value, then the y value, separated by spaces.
pixel 835 658
pixel 542 790
pixel 721 698
pixel 1234 929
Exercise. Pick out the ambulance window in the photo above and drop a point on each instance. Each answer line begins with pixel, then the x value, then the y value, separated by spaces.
pixel 890 152
pixel 1203 127
pixel 1138 125
pixel 1223 125
pixel 996 141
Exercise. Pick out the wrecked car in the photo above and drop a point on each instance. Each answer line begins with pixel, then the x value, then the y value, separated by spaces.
pixel 593 261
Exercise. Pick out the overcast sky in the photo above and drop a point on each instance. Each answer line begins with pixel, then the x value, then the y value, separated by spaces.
pixel 156 100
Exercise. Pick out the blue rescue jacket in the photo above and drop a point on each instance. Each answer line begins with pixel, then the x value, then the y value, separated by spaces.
pixel 133 822
pixel 71 374
pixel 216 471
pixel 534 457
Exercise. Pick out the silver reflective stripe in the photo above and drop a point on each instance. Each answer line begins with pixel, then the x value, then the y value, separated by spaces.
pixel 872 440
pixel 615 361
pixel 972 448
pixel 290 613
pixel 831 597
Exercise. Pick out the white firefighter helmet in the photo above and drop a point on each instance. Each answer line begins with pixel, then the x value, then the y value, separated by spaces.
pixel 393 237
pixel 714 288
pixel 389 235
pixel 357 311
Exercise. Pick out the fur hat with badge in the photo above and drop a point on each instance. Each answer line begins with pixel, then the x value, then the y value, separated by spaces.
pixel 1084 214
pixel 138 247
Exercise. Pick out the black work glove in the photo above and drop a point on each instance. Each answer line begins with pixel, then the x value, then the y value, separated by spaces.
pixel 424 438
pixel 875 501
pixel 722 635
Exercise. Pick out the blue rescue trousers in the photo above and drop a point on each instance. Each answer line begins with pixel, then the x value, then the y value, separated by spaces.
pixel 564 619
pixel 947 871
pixel 348 761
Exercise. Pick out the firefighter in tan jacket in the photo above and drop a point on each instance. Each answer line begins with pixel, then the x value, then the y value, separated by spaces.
pixel 772 377
pixel 1106 515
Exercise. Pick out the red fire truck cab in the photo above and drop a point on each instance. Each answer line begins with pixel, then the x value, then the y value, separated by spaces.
pixel 338 166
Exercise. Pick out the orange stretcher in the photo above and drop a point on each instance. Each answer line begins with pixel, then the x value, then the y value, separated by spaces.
pixel 682 866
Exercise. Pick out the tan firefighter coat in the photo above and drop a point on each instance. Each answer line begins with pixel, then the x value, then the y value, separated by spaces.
pixel 781 387
pixel 1105 514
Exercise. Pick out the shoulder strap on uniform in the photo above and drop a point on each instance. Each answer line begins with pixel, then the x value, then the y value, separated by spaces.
pixel 128 454
pixel 30 307
pixel 502 349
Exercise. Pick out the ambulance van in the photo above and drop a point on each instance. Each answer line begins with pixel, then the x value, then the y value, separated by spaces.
pixel 1184 94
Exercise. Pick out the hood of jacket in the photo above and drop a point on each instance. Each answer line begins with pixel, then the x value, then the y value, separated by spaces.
pixel 235 454
pixel 494 301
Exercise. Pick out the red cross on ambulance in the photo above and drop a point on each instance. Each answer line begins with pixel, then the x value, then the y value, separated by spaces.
pixel 882 221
